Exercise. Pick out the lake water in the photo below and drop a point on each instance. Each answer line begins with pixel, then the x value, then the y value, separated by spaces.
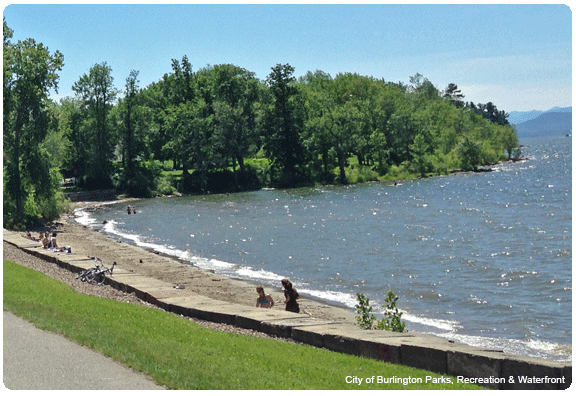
pixel 480 258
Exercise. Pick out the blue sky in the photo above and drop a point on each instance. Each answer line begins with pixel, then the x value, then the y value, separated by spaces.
pixel 516 56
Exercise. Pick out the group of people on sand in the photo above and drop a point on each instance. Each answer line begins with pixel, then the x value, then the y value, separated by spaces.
pixel 48 241
pixel 290 296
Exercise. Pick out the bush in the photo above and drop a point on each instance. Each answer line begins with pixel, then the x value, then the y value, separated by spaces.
pixel 165 186
pixel 392 316
pixel 39 207
pixel 360 174
pixel 365 318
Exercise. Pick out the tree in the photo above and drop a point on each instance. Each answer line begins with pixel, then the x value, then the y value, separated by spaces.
pixel 137 178
pixel 509 140
pixel 416 81
pixel 317 139
pixel 468 152
pixel 402 128
pixel 284 123
pixel 97 93
pixel 70 120
pixel 419 153
pixel 454 95
pixel 181 89
pixel 235 92
pixel 192 135
pixel 343 124
pixel 490 112
pixel 30 72
pixel 129 124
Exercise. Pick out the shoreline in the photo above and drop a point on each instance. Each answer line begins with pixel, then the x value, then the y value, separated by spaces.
pixel 86 240
pixel 314 306
pixel 89 242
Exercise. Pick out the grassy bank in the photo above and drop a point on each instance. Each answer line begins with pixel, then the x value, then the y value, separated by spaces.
pixel 181 354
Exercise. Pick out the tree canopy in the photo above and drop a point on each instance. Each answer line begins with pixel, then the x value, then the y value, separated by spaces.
pixel 220 129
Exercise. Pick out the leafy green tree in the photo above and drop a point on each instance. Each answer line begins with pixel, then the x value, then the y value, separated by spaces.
pixel 136 178
pixel 392 320
pixel 509 140
pixel 97 93
pixel 420 153
pixel 235 92
pixel 402 128
pixel 129 124
pixel 333 117
pixel 342 123
pixel 181 89
pixel 77 152
pixel 317 138
pixel 284 124
pixel 468 152
pixel 192 135
pixel 154 101
pixel 30 72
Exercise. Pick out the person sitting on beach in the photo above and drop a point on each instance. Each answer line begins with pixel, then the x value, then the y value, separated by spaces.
pixel 45 240
pixel 291 295
pixel 53 245
pixel 29 236
pixel 49 241
pixel 263 300
pixel 52 242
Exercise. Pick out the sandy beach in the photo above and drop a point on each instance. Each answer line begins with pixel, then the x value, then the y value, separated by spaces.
pixel 86 242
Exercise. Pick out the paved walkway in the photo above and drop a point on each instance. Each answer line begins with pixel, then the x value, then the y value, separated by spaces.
pixel 35 359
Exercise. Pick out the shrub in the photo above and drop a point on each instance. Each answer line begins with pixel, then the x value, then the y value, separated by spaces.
pixel 360 174
pixel 364 319
pixel 392 316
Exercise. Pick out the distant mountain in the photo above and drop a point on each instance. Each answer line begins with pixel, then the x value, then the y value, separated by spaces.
pixel 561 109
pixel 551 123
pixel 518 117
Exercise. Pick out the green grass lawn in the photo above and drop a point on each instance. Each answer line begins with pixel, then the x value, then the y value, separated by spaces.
pixel 181 354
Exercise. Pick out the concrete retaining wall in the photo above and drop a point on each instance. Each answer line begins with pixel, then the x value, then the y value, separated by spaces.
pixel 497 370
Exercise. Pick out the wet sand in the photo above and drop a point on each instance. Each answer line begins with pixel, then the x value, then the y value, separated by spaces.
pixel 87 242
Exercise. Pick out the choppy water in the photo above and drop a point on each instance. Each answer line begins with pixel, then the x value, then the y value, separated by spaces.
pixel 484 259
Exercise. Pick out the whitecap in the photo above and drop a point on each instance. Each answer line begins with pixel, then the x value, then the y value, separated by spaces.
pixel 83 217
pixel 442 324
pixel 532 348
pixel 345 299
pixel 260 275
